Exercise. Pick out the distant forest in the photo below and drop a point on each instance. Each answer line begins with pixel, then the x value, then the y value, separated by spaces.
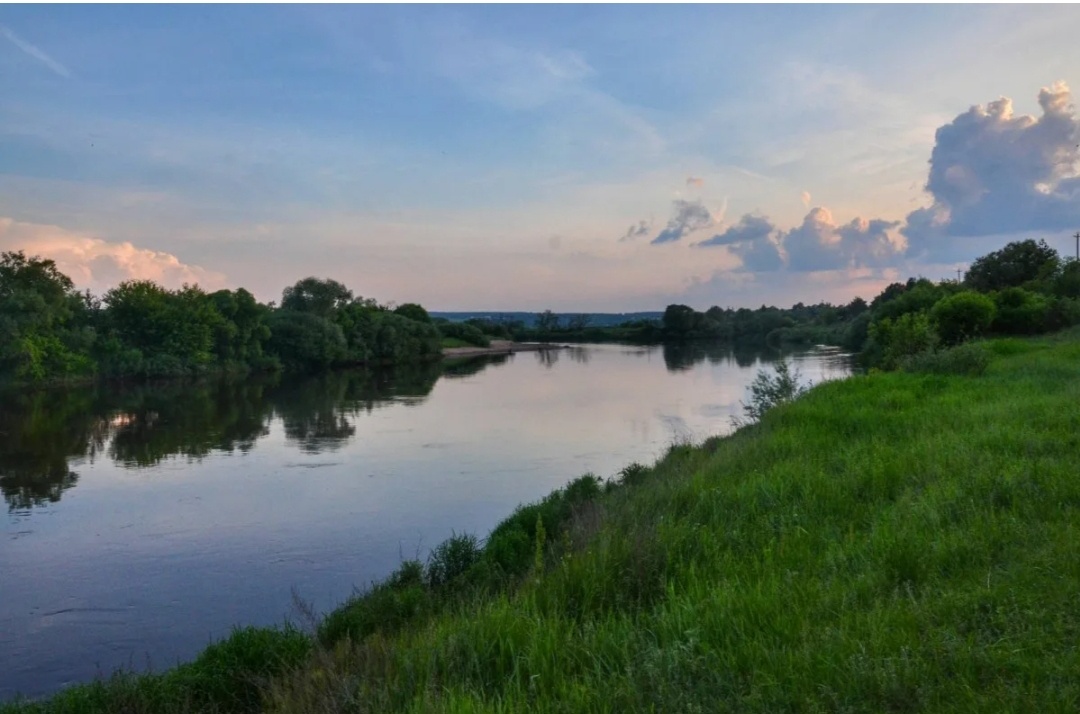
pixel 52 333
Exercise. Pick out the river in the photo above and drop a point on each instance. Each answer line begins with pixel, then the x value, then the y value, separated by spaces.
pixel 142 523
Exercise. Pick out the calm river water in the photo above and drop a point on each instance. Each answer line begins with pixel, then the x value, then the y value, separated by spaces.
pixel 143 523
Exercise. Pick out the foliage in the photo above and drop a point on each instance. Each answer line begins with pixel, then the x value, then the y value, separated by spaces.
pixel 963 316
pixel 469 334
pixel 1014 266
pixel 771 390
pixel 304 341
pixel 1020 312
pixel 413 311
pixel 969 359
pixel 893 340
pixel 320 297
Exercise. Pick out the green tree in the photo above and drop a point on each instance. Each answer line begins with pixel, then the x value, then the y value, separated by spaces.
pixel 40 337
pixel 413 311
pixel 316 296
pixel 1021 312
pixel 305 342
pixel 1015 265
pixel 963 316
pixel 907 335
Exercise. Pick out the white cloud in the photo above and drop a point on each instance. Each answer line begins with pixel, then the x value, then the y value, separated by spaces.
pixel 35 52
pixel 98 264
pixel 993 172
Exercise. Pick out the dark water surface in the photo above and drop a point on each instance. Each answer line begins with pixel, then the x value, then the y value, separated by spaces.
pixel 143 523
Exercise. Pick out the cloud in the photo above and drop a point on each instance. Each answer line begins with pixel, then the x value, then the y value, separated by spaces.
pixel 819 243
pixel 695 181
pixel 749 228
pixel 34 52
pixel 636 231
pixel 822 244
pixel 754 240
pixel 993 172
pixel 98 264
pixel 805 199
pixel 689 216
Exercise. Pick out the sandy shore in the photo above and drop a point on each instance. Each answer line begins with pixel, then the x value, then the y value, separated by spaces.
pixel 499 347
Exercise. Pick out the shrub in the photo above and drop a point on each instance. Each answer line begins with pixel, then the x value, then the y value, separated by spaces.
pixel 1020 312
pixel 969 359
pixel 908 335
pixel 963 316
pixel 451 559
pixel 770 390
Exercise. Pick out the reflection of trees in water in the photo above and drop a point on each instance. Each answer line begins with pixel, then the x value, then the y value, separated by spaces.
pixel 468 366
pixel 139 426
pixel 547 357
pixel 682 356
pixel 578 354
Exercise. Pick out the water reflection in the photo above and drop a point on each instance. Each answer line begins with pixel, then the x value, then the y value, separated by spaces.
pixel 46 434
pixel 681 357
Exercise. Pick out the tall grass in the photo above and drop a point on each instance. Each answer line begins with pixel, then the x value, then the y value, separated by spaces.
pixel 894 542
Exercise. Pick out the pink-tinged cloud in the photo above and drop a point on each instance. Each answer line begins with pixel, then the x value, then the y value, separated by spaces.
pixel 96 264
pixel 695 181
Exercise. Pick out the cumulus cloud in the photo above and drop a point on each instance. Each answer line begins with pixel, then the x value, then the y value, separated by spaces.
pixel 993 172
pixel 696 181
pixel 638 230
pixel 689 216
pixel 818 244
pixel 98 264
pixel 805 199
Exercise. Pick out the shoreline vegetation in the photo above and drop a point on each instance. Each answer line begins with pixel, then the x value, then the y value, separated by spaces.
pixel 51 334
pixel 902 540
pixel 895 541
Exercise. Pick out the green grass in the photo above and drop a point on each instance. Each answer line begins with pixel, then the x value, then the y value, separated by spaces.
pixel 454 342
pixel 896 542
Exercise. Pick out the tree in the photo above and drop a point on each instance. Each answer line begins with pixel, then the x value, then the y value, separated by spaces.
pixel 1014 265
pixel 963 316
pixel 317 297
pixel 305 342
pixel 679 320
pixel 578 322
pixel 40 337
pixel 413 311
pixel 547 321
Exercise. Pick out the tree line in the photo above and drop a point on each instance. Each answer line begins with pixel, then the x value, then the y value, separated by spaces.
pixel 50 332
pixel 1025 288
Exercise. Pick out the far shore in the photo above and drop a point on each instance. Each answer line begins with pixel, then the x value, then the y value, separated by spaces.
pixel 499 347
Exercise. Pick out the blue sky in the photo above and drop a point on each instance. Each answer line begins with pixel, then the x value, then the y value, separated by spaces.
pixel 526 157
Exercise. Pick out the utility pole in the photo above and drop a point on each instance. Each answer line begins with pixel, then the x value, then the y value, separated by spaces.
pixel 958 272
pixel 1077 237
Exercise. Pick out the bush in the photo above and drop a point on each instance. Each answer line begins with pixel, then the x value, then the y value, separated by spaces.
pixel 963 316
pixel 970 360
pixel 1020 312
pixel 465 333
pixel 451 559
pixel 894 340
pixel 770 390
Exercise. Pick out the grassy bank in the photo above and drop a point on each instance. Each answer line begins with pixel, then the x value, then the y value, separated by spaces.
pixel 894 542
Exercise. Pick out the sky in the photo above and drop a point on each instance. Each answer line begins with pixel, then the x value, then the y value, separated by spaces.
pixel 575 158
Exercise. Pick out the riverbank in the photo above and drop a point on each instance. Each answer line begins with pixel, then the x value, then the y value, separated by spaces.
pixel 499 347
pixel 901 542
